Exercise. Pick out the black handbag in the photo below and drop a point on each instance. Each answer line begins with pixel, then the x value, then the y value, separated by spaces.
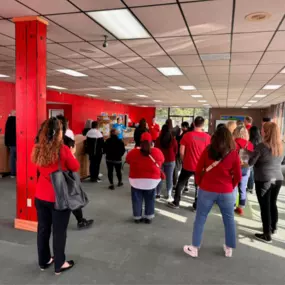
pixel 68 191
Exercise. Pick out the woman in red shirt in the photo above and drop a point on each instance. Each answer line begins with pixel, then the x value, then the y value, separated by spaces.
pixel 168 145
pixel 217 174
pixel 46 153
pixel 145 174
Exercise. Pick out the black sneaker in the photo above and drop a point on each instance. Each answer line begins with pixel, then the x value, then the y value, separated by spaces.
pixel 112 187
pixel 139 221
pixel 120 184
pixel 186 190
pixel 172 205
pixel 264 238
pixel 250 190
pixel 274 232
pixel 147 221
pixel 194 207
pixel 85 224
pixel 157 196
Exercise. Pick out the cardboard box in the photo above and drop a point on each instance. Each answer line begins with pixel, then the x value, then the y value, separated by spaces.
pixel 81 156
pixel 4 157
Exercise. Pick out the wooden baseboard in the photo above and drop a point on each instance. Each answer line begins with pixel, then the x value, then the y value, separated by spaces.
pixel 26 225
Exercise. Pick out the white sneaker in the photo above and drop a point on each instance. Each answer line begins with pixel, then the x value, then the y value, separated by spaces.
pixel 100 175
pixel 12 176
pixel 228 251
pixel 170 199
pixel 191 250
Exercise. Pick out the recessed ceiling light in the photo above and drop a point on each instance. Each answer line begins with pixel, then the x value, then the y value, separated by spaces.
pixel 202 101
pixel 252 101
pixel 4 76
pixel 215 56
pixel 156 100
pixel 187 87
pixel 197 96
pixel 133 103
pixel 170 71
pixel 120 23
pixel 244 107
pixel 142 96
pixel 72 72
pixel 116 100
pixel 117 88
pixel 92 95
pixel 258 16
pixel 271 87
pixel 56 87
pixel 260 96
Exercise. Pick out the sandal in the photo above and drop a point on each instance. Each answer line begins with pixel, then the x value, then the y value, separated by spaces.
pixel 71 264
pixel 46 266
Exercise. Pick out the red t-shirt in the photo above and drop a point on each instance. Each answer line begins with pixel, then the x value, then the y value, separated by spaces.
pixel 243 143
pixel 142 166
pixel 44 188
pixel 169 153
pixel 154 131
pixel 248 126
pixel 223 178
pixel 195 143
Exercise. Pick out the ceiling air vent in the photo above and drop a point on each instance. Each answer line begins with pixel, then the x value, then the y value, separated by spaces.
pixel 258 16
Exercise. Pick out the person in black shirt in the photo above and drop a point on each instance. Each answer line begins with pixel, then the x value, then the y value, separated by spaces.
pixel 142 128
pixel 10 141
pixel 114 149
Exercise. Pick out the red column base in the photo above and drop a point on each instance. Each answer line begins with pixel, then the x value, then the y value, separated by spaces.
pixel 26 225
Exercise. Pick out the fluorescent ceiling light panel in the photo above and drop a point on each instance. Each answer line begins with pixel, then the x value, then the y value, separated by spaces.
pixel 142 96
pixel 283 70
pixel 187 87
pixel 247 105
pixel 260 95
pixel 116 100
pixel 252 101
pixel 156 100
pixel 271 87
pixel 4 76
pixel 117 88
pixel 121 23
pixel 92 95
pixel 170 71
pixel 244 107
pixel 56 87
pixel 175 106
pixel 72 72
pixel 202 101
pixel 197 96
pixel 215 56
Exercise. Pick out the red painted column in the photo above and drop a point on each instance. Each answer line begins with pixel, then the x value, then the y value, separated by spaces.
pixel 30 110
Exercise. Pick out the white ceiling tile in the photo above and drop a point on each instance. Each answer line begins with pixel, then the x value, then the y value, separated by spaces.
pixel 132 3
pixel 10 53
pixel 251 41
pixel 115 48
pixel 273 57
pixel 160 61
pixel 14 9
pixel 66 64
pixel 58 34
pixel 50 7
pixel 202 17
pixel 81 25
pixel 282 26
pixel 166 28
pixel 217 69
pixel 242 69
pixel 149 72
pixel 6 41
pixel 177 45
pixel 111 62
pixel 213 43
pixel 62 51
pixel 278 42
pixel 218 76
pixel 269 68
pixel 278 79
pixel 7 28
pixel 245 58
pixel 193 70
pixel 87 5
pixel 216 62
pixel 245 7
pixel 261 76
pixel 135 62
pixel 145 47
pixel 187 60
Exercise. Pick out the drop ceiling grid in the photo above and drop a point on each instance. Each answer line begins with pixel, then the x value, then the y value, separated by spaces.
pixel 254 58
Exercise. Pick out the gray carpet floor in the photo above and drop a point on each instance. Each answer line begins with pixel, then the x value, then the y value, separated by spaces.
pixel 117 251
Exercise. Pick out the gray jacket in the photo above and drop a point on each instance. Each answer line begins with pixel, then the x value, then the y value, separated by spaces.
pixel 266 166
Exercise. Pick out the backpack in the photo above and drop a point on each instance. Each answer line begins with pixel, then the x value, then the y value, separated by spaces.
pixel 244 155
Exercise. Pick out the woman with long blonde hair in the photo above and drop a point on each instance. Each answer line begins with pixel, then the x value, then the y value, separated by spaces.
pixel 267 159
pixel 48 155
pixel 231 125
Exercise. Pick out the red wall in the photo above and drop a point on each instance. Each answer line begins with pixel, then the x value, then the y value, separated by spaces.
pixel 7 102
pixel 82 108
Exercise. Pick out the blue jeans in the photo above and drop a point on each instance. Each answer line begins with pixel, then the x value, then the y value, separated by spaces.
pixel 138 196
pixel 242 188
pixel 250 183
pixel 168 168
pixel 13 158
pixel 205 202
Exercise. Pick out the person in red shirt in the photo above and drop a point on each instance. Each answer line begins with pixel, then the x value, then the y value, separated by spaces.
pixel 154 130
pixel 217 174
pixel 168 145
pixel 192 146
pixel 248 122
pixel 244 148
pixel 145 174
pixel 46 154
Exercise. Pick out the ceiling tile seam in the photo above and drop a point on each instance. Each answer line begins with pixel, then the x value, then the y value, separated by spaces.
pixel 265 50
pixel 191 37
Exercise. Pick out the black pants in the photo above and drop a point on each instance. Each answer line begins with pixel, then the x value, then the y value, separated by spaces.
pixel 78 215
pixel 268 204
pixel 118 168
pixel 184 176
pixel 49 218
pixel 95 162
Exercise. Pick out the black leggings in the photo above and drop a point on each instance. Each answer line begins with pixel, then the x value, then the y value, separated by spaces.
pixel 118 168
pixel 78 214
pixel 49 218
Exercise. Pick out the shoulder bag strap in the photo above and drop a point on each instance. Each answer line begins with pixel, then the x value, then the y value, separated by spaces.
pixel 154 161
pixel 215 163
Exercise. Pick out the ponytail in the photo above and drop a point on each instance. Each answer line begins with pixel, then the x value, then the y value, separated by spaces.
pixel 145 148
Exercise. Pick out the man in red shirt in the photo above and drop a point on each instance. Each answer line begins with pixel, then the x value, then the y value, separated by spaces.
pixel 154 130
pixel 248 122
pixel 192 146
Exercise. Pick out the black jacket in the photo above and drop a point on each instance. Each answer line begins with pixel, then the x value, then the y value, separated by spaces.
pixel 114 149
pixel 94 142
pixel 137 135
pixel 10 131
